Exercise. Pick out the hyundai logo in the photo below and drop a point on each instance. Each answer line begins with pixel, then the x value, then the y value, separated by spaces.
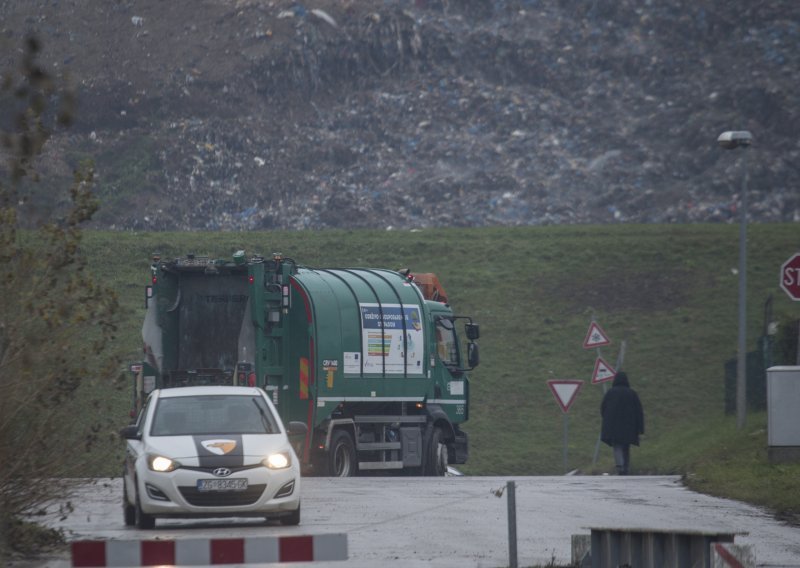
pixel 222 472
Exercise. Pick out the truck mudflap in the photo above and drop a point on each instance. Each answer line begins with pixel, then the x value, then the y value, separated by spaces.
pixel 460 447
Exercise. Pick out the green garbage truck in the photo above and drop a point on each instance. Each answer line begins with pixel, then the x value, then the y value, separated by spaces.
pixel 371 360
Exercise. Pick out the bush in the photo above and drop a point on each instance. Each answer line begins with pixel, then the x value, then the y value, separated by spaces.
pixel 55 321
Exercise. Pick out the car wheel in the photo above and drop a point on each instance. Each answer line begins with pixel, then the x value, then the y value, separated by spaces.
pixel 342 455
pixel 293 519
pixel 143 520
pixel 437 455
pixel 128 510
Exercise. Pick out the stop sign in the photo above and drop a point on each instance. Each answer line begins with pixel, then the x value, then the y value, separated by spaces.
pixel 790 277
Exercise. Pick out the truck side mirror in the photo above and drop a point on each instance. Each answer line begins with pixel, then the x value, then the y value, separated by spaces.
pixel 473 331
pixel 473 355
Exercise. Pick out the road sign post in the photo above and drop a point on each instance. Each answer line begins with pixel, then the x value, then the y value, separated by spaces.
pixel 595 339
pixel 565 392
pixel 512 524
pixel 790 277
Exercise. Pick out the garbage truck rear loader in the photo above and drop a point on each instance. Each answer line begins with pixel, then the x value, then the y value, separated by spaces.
pixel 370 359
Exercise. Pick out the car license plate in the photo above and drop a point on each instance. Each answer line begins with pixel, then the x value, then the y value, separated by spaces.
pixel 221 484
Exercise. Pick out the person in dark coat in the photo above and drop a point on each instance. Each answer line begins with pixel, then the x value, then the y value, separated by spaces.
pixel 623 420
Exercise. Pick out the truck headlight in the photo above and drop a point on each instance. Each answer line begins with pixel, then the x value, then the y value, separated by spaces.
pixel 162 464
pixel 278 461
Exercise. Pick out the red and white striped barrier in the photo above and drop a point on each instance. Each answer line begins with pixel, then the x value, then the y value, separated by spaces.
pixel 204 552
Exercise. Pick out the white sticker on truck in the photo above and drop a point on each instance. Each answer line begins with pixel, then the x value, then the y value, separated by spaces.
pixel 352 363
pixel 393 339
pixel 456 388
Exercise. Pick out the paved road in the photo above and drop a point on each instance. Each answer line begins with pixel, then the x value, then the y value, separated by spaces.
pixel 458 521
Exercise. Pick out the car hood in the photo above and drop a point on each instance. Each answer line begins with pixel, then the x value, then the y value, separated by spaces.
pixel 218 450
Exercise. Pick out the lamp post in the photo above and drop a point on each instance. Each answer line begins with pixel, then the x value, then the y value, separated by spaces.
pixel 730 140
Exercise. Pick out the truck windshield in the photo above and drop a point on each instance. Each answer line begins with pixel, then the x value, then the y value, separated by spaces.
pixel 213 414
pixel 446 342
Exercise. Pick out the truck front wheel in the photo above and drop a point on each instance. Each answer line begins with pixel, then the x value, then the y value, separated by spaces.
pixel 342 455
pixel 436 464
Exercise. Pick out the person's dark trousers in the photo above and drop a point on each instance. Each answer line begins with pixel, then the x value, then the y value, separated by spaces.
pixel 622 456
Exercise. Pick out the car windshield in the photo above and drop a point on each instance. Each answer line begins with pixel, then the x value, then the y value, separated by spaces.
pixel 213 414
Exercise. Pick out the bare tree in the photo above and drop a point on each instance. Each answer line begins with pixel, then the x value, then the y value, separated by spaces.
pixel 55 320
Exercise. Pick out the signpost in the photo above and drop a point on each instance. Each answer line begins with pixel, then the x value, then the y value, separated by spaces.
pixel 602 371
pixel 790 277
pixel 565 392
pixel 595 337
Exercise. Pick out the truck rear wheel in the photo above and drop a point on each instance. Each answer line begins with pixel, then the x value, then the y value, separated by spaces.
pixel 342 455
pixel 436 464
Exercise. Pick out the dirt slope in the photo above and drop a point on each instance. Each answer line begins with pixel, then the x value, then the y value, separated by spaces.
pixel 250 114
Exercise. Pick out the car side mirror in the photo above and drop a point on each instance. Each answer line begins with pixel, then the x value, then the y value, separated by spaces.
pixel 297 429
pixel 473 331
pixel 130 432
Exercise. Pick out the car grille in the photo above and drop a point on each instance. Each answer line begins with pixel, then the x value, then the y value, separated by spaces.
pixel 234 469
pixel 222 498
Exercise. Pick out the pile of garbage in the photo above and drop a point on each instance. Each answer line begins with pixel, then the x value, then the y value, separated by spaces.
pixel 400 114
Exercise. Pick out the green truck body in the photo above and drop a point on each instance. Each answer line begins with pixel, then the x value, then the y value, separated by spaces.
pixel 372 366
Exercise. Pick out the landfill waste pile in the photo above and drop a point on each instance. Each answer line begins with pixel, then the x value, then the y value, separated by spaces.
pixel 401 114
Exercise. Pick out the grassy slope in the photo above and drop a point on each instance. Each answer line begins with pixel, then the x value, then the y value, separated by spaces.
pixel 669 291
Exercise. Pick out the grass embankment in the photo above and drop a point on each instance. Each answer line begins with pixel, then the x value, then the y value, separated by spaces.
pixel 668 292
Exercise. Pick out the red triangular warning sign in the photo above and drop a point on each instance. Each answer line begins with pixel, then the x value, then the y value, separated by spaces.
pixel 565 392
pixel 602 371
pixel 595 337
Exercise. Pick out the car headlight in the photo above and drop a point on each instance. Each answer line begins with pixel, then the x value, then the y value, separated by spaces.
pixel 278 461
pixel 162 464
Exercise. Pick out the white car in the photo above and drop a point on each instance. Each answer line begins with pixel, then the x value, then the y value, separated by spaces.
pixel 210 452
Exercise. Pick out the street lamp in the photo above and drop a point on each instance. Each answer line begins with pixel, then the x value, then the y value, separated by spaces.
pixel 731 140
